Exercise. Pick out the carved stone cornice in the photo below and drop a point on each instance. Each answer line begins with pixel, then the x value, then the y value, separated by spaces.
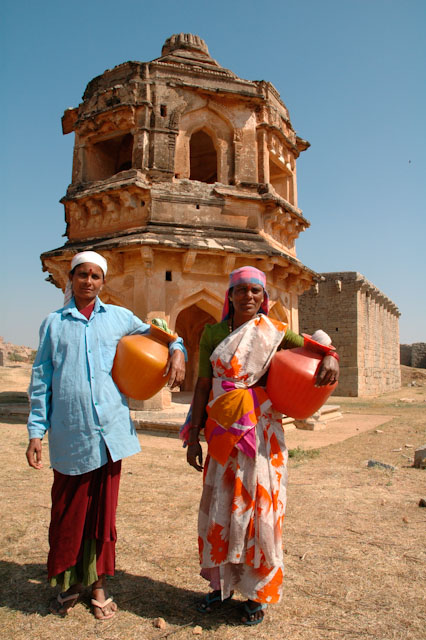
pixel 147 257
pixel 273 129
pixel 98 212
pixel 228 264
pixel 188 260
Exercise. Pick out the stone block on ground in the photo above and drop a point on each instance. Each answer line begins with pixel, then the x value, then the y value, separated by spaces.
pixel 161 400
pixel 420 457
pixel 320 418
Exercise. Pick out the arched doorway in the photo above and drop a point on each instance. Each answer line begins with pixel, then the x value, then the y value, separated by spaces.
pixel 202 158
pixel 189 325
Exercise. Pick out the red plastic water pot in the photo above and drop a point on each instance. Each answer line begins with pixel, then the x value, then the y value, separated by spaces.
pixel 291 380
pixel 140 362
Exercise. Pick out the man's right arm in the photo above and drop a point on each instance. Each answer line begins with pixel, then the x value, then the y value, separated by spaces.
pixel 40 392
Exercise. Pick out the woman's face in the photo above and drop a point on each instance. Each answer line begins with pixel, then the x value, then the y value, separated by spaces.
pixel 247 299
pixel 87 280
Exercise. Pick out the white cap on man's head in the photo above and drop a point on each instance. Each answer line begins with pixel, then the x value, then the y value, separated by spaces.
pixel 89 256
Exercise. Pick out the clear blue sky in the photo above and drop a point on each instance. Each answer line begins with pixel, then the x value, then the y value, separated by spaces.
pixel 351 72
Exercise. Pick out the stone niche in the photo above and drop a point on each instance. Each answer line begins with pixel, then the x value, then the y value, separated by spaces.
pixel 183 171
pixel 364 326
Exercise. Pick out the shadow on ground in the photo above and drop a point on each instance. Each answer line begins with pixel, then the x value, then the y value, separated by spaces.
pixel 24 588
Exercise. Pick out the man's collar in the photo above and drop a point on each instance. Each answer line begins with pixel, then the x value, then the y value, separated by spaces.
pixel 71 309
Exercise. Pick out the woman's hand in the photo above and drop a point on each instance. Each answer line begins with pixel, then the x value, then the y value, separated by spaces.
pixel 328 372
pixel 33 453
pixel 194 456
pixel 176 366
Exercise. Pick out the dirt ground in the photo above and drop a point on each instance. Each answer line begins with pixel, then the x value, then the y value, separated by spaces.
pixel 354 537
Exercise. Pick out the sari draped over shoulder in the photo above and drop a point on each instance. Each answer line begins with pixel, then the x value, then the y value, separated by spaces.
pixel 244 490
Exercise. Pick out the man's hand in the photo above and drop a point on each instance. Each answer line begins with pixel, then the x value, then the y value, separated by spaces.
pixel 176 366
pixel 328 372
pixel 34 453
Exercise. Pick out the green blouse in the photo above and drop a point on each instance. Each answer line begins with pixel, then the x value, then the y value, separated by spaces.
pixel 213 335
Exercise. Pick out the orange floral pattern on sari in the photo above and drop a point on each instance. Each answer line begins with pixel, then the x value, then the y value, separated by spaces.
pixel 218 546
pixel 244 495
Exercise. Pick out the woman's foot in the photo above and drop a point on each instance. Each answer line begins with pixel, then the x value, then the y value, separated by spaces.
pixel 104 608
pixel 212 601
pixel 253 612
pixel 64 602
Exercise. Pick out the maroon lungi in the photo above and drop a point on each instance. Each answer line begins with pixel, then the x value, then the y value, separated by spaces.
pixel 84 508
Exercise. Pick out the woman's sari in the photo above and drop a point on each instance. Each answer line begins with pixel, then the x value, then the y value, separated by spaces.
pixel 244 490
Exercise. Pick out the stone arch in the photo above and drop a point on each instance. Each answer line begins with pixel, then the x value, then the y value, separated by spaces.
pixel 221 133
pixel 108 156
pixel 202 157
pixel 189 319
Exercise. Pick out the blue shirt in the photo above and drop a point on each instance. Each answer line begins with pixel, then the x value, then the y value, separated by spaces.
pixel 72 393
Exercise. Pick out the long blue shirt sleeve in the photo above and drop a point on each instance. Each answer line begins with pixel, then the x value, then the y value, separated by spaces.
pixel 73 396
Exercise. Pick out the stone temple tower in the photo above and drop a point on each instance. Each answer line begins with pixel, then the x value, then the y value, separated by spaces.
pixel 181 173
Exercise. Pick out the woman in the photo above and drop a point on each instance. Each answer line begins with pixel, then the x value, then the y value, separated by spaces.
pixel 244 489
pixel 75 399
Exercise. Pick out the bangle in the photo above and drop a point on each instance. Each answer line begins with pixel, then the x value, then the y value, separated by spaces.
pixel 333 354
pixel 191 443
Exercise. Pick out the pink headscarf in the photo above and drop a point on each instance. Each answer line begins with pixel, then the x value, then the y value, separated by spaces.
pixel 246 275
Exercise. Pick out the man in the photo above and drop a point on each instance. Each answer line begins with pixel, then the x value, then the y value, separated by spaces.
pixel 75 399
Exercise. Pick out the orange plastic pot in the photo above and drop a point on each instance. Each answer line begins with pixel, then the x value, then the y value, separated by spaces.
pixel 140 362
pixel 291 380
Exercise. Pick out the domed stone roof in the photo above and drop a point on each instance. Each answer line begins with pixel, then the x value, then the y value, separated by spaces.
pixel 187 48
pixel 186 41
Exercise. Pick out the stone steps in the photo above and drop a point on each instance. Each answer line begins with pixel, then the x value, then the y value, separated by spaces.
pixel 15 406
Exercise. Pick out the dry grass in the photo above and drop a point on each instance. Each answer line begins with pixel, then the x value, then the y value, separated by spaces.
pixel 354 543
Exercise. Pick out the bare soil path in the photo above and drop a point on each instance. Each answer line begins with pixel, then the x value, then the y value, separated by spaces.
pixel 354 538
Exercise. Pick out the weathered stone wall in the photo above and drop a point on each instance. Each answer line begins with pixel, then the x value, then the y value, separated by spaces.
pixel 378 344
pixel 418 355
pixel 340 322
pixel 405 354
pixel 363 324
pixel 413 355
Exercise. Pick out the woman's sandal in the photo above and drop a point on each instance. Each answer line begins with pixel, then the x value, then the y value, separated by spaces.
pixel 212 598
pixel 101 606
pixel 61 599
pixel 250 611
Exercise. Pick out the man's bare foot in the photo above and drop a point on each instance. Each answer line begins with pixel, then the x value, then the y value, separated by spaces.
pixel 64 602
pixel 104 608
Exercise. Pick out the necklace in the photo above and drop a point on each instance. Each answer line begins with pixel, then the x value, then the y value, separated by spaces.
pixel 231 324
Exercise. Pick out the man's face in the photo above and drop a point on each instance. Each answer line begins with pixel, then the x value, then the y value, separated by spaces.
pixel 87 281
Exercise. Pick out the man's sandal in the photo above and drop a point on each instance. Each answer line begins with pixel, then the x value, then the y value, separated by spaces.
pixel 250 611
pixel 101 606
pixel 61 599
pixel 212 598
